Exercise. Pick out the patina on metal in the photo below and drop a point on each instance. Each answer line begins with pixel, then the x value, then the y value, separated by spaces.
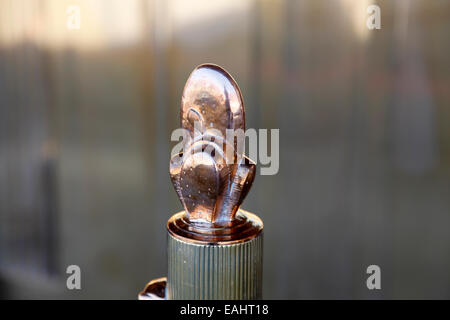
pixel 214 247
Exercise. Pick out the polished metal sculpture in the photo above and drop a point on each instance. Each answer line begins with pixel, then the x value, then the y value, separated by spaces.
pixel 211 186
pixel 214 247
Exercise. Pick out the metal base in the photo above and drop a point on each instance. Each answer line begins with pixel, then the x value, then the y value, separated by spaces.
pixel 218 263
pixel 214 271
pixel 154 290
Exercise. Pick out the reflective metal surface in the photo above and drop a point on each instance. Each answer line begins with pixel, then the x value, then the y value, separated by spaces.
pixel 201 271
pixel 212 177
pixel 154 290
pixel 243 228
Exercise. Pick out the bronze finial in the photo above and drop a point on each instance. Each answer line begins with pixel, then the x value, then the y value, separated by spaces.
pixel 214 248
pixel 210 183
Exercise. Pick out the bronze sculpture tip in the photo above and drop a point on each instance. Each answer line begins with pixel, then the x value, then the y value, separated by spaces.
pixel 212 176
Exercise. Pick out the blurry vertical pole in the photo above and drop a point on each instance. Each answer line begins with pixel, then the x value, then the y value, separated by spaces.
pixel 413 115
pixel 255 65
pixel 420 208
pixel 161 36
pixel 369 183
pixel 254 103
pixel 267 18
pixel 10 139
pixel 290 99
pixel 358 162
pixel 144 68
pixel 50 159
pixel 3 143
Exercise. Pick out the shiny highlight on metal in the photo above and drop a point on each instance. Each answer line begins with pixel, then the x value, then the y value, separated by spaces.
pixel 154 290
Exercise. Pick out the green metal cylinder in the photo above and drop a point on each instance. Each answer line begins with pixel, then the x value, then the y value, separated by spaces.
pixel 214 271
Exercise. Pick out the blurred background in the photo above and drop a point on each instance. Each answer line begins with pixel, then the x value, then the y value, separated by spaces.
pixel 364 116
